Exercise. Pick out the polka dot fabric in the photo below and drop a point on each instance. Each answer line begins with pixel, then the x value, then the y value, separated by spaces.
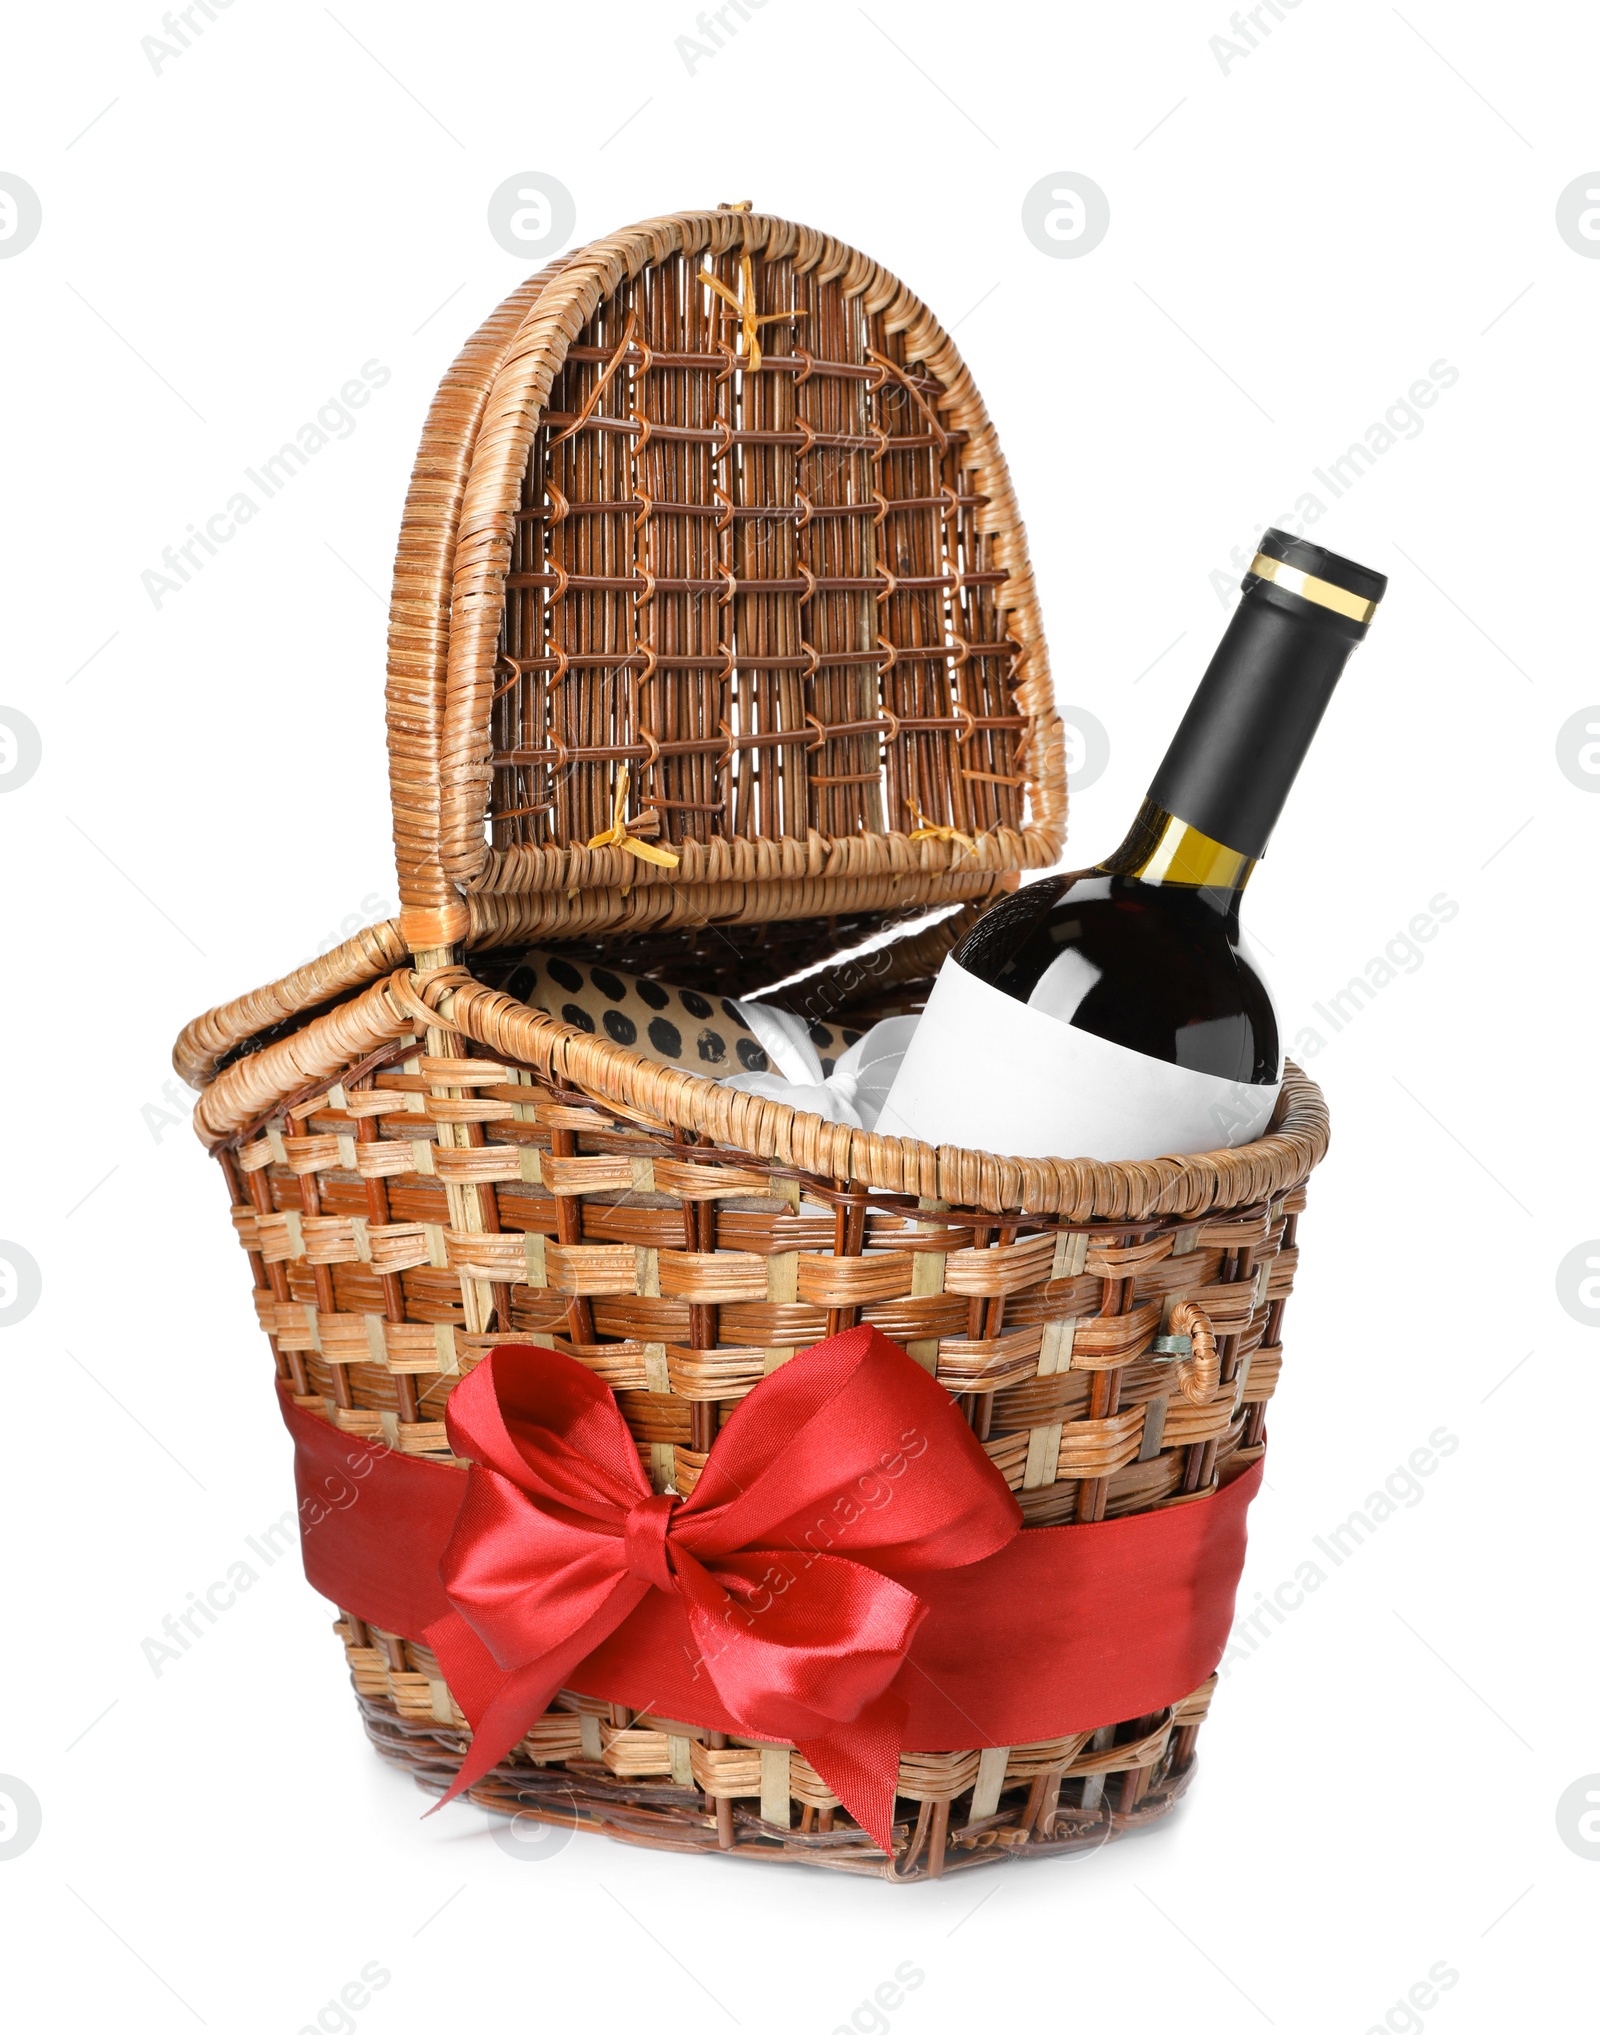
pixel 675 1027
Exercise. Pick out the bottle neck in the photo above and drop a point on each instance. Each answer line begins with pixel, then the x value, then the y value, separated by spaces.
pixel 1165 851
pixel 1252 719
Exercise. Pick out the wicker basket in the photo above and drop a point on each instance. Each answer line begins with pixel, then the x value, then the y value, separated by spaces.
pixel 713 650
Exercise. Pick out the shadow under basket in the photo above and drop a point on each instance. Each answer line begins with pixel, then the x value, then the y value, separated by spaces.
pixel 727 570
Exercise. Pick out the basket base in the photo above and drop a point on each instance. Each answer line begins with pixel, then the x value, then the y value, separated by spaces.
pixel 1032 1820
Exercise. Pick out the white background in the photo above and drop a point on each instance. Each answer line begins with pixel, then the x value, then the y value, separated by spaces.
pixel 1294 240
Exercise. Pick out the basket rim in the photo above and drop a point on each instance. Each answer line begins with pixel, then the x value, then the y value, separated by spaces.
pixel 492 917
pixel 411 1004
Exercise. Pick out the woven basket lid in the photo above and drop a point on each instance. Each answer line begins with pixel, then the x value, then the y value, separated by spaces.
pixel 712 603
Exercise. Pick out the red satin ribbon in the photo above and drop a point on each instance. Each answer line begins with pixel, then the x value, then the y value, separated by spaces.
pixel 847 1576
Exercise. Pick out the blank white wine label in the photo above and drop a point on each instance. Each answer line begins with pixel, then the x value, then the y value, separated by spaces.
pixel 985 1071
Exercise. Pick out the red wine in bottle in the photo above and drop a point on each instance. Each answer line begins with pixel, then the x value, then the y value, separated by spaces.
pixel 1119 1014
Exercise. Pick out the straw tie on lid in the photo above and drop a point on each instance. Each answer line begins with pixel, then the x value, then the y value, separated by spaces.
pixel 744 309
pixel 617 835
pixel 930 830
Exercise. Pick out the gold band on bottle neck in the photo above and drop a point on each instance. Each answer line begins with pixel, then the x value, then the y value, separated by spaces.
pixel 1310 588
pixel 1164 849
pixel 1185 855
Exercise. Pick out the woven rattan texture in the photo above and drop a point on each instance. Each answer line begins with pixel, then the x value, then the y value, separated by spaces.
pixel 1078 1189
pixel 657 1782
pixel 765 592
pixel 768 564
pixel 401 1221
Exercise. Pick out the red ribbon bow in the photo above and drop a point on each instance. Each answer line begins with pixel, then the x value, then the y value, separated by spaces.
pixel 846 1462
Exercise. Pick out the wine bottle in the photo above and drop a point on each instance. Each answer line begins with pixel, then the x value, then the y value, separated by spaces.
pixel 1119 1014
